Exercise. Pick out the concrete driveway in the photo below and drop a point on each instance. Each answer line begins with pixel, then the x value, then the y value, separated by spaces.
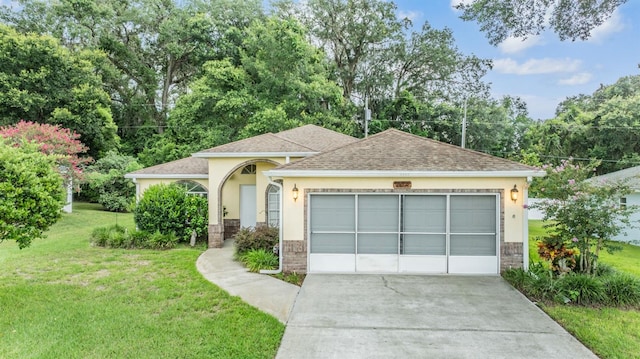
pixel 401 316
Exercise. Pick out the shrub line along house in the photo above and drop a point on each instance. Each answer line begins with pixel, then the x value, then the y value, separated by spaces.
pixel 390 203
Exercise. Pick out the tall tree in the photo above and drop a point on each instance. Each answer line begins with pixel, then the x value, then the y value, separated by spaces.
pixel 280 82
pixel 42 81
pixel 377 59
pixel 585 126
pixel 570 19
pixel 154 48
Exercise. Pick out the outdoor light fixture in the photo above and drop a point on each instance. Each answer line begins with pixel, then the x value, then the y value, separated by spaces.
pixel 294 192
pixel 514 193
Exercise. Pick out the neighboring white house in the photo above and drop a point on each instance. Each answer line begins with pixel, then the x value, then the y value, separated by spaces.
pixel 632 177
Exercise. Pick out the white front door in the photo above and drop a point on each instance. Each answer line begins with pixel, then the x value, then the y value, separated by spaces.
pixel 248 205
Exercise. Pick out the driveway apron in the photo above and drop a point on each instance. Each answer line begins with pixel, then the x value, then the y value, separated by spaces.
pixel 405 316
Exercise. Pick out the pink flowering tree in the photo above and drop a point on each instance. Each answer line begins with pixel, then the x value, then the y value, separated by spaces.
pixel 580 213
pixel 52 140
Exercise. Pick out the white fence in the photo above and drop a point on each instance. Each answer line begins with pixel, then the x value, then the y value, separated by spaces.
pixel 535 213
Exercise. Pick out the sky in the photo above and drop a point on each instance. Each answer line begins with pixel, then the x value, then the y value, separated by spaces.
pixel 543 71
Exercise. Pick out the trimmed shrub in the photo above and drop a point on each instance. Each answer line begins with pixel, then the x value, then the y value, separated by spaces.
pixel 265 238
pixel 622 289
pixel 168 209
pixel 257 259
pixel 116 236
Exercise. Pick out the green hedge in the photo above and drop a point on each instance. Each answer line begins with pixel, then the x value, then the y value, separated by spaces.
pixel 116 236
pixel 168 209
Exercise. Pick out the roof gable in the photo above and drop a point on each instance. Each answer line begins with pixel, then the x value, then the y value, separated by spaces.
pixel 394 150
pixel 301 141
pixel 317 138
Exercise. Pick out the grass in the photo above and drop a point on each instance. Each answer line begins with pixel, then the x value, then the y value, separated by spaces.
pixel 608 332
pixel 62 298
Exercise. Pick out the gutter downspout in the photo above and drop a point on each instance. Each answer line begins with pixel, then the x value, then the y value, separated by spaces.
pixel 525 226
pixel 279 270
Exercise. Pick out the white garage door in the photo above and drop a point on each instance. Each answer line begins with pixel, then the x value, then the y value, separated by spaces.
pixel 406 233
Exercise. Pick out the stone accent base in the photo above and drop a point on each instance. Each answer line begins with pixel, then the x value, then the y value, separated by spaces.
pixel 294 256
pixel 216 235
pixel 231 227
pixel 510 255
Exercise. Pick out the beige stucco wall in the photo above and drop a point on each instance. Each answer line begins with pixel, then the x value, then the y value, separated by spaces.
pixel 144 183
pixel 294 212
pixel 225 178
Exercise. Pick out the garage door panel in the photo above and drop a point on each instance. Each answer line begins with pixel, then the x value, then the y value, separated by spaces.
pixel 377 263
pixel 473 214
pixel 422 264
pixel 424 244
pixel 473 265
pixel 472 245
pixel 332 213
pixel 378 243
pixel 377 213
pixel 336 263
pixel 333 243
pixel 424 214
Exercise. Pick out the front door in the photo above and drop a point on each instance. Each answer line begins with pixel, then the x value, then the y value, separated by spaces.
pixel 248 205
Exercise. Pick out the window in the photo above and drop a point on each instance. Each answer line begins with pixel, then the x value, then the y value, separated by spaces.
pixel 249 170
pixel 623 202
pixel 273 206
pixel 193 188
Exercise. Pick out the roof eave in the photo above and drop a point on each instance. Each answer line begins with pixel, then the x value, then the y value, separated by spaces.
pixel 166 176
pixel 251 154
pixel 434 174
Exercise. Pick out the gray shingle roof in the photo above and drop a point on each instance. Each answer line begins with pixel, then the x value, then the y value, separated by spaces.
pixel 185 166
pixel 304 139
pixel 394 150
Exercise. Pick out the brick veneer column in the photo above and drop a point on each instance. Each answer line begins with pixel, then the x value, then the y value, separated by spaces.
pixel 216 235
pixel 510 255
pixel 294 256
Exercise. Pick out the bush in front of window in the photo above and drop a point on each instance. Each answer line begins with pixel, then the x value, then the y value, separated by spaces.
pixel 169 209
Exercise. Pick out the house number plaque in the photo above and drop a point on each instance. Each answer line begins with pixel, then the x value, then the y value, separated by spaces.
pixel 402 185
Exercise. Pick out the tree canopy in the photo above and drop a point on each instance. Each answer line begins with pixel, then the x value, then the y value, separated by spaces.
pixel 569 19
pixel 42 81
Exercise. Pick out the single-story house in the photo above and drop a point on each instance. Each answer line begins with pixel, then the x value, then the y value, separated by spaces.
pixel 630 176
pixel 390 203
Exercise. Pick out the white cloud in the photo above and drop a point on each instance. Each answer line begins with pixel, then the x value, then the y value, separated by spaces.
pixel 411 15
pixel 536 66
pixel 514 45
pixel 612 25
pixel 577 79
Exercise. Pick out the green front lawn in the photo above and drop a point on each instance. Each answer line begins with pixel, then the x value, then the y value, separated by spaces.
pixel 608 332
pixel 62 298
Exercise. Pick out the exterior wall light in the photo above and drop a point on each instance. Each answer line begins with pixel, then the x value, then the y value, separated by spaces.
pixel 514 193
pixel 294 192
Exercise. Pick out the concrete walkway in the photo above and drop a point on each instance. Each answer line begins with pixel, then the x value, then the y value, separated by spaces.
pixel 268 294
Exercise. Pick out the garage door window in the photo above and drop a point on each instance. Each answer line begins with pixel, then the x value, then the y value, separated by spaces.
pixel 473 226
pixel 424 225
pixel 333 224
pixel 377 224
